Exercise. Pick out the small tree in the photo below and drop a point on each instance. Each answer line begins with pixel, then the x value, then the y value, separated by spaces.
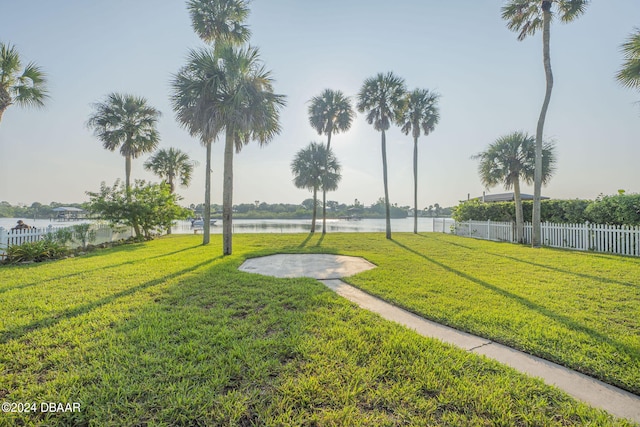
pixel 147 208
pixel 83 233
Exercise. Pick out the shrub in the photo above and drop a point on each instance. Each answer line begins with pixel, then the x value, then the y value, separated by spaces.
pixel 557 211
pixel 621 209
pixel 35 251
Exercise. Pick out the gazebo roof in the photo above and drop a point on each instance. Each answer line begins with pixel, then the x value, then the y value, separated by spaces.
pixel 67 209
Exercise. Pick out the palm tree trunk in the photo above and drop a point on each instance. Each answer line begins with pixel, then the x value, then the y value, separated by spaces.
pixel 386 186
pixel 207 198
pixel 415 185
pixel 227 195
pixel 5 101
pixel 519 214
pixel 537 179
pixel 324 192
pixel 171 190
pixel 127 174
pixel 315 206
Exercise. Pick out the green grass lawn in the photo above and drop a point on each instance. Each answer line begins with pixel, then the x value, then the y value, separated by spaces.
pixel 170 333
pixel 579 309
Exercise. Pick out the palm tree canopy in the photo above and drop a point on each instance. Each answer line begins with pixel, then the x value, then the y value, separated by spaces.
pixel 420 113
pixel 170 164
pixel 330 112
pixel 126 121
pixel 525 16
pixel 382 97
pixel 629 75
pixel 248 107
pixel 227 88
pixel 196 95
pixel 25 87
pixel 220 20
pixel 512 157
pixel 308 168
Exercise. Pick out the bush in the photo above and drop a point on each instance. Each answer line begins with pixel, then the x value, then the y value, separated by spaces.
pixel 556 211
pixel 621 209
pixel 35 251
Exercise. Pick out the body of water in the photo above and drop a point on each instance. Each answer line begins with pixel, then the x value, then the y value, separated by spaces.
pixel 277 225
pixel 333 225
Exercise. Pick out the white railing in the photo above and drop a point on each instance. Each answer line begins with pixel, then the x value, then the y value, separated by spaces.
pixel 615 239
pixel 103 233
pixel 487 230
pixel 443 225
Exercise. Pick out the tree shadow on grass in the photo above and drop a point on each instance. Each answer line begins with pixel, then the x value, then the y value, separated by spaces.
pixel 83 272
pixel 69 313
pixel 306 240
pixel 448 242
pixel 559 270
pixel 568 322
pixel 605 280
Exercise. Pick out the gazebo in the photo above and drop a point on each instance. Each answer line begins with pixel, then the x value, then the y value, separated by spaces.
pixel 66 213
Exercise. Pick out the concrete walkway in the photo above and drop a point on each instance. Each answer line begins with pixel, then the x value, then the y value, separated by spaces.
pixel 330 268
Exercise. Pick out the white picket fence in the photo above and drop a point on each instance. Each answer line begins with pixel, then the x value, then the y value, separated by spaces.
pixel 620 240
pixel 103 233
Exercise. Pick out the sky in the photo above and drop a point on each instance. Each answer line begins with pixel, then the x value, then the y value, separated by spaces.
pixel 490 84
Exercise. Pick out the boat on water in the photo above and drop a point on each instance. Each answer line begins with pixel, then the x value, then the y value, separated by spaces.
pixel 199 222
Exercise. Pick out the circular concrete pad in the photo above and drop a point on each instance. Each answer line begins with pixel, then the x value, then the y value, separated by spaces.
pixel 317 266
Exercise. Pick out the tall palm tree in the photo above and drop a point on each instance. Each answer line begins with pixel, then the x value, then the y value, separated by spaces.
pixel 195 88
pixel 382 98
pixel 171 164
pixel 25 87
pixel 526 17
pixel 510 159
pixel 629 74
pixel 196 100
pixel 420 114
pixel 330 112
pixel 126 122
pixel 249 111
pixel 316 167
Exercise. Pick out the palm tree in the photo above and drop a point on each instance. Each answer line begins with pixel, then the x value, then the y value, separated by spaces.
pixel 526 17
pixel 629 74
pixel 315 167
pixel 382 97
pixel 127 122
pixel 249 111
pixel 171 165
pixel 220 21
pixel 195 96
pixel 25 87
pixel 420 114
pixel 329 113
pixel 195 99
pixel 508 160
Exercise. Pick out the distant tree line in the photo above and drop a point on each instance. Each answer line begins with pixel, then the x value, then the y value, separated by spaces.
pixel 36 210
pixel 620 209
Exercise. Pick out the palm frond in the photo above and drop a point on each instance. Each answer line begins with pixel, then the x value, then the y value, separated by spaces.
pixel 629 74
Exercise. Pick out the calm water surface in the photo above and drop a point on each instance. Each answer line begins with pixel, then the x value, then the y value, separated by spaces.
pixel 277 225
